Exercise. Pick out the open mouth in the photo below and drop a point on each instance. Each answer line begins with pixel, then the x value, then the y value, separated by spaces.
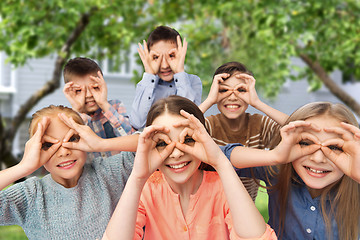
pixel 178 166
pixel 66 164
pixel 232 106
pixel 316 171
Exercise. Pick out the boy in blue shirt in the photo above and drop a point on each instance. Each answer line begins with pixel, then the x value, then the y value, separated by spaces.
pixel 163 57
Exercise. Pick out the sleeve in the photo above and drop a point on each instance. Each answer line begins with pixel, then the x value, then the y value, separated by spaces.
pixel 269 129
pixel 188 86
pixel 16 202
pixel 140 221
pixel 144 97
pixel 118 118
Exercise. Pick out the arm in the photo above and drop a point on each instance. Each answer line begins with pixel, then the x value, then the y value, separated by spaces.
pixel 250 97
pixel 247 221
pixel 34 157
pixel 117 117
pixel 344 152
pixel 90 142
pixel 147 160
pixel 144 98
pixel 287 150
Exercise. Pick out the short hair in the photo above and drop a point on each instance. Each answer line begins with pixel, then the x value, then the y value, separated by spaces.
pixel 172 105
pixel 52 111
pixel 80 66
pixel 162 33
pixel 232 67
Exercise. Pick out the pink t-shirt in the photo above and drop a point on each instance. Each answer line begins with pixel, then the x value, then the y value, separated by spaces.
pixel 208 215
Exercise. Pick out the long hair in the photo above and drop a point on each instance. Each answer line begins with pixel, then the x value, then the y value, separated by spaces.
pixel 344 194
pixel 52 111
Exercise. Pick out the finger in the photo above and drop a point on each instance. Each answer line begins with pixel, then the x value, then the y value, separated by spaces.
pixel 334 142
pixel 221 77
pixel 196 124
pixel 178 40
pixel 53 149
pixel 185 132
pixel 69 134
pixel 310 149
pixel 167 151
pixel 65 119
pixel 185 148
pixel 67 87
pixel 146 50
pixel 344 133
pixel 333 157
pixel 47 138
pixel 161 136
pixel 182 123
pixel 355 130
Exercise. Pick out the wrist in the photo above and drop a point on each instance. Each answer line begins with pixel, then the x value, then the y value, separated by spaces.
pixel 104 105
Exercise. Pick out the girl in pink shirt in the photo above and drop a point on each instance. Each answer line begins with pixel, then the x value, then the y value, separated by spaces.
pixel 181 201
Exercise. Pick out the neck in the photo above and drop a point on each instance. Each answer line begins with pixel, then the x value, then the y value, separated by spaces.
pixel 189 187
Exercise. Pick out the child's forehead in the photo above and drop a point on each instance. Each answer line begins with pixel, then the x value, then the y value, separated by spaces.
pixel 233 80
pixel 322 122
pixel 83 79
pixel 56 129
pixel 163 46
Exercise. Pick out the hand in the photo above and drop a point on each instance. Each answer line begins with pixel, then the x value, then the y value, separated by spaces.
pixel 75 94
pixel 247 91
pixel 99 90
pixel 218 92
pixel 344 152
pixel 88 142
pixel 148 158
pixel 39 148
pixel 151 61
pixel 292 134
pixel 195 141
pixel 176 57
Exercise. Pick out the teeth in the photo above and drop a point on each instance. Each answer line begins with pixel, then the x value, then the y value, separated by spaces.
pixel 316 171
pixel 232 106
pixel 66 164
pixel 179 165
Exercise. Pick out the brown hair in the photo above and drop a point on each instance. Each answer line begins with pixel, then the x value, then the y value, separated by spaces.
pixel 162 33
pixel 52 111
pixel 342 194
pixel 231 68
pixel 80 66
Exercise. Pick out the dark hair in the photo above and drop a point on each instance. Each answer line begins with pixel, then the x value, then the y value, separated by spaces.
pixel 173 104
pixel 80 66
pixel 232 67
pixel 162 33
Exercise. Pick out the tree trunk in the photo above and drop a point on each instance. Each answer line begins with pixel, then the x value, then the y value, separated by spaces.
pixel 331 85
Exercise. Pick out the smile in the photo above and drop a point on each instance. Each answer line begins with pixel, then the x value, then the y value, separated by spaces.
pixel 66 163
pixel 178 166
pixel 232 106
pixel 316 171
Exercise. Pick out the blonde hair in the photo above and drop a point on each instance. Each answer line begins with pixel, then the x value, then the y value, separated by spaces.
pixel 342 194
pixel 52 111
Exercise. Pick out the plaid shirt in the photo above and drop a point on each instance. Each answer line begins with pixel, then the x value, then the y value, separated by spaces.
pixel 117 118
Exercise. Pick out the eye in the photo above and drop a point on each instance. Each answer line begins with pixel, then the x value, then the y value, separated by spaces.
pixel 335 148
pixel 46 145
pixel 305 143
pixel 77 91
pixel 172 55
pixel 161 144
pixel 223 90
pixel 241 90
pixel 189 140
pixel 74 138
pixel 155 57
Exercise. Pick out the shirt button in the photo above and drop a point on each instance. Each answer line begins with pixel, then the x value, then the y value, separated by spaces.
pixel 185 228
pixel 103 155
pixel 170 86
pixel 176 80
pixel 152 80
pixel 312 208
pixel 149 98
pixel 308 230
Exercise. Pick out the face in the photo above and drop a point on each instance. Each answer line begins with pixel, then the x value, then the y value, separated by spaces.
pixel 231 106
pixel 90 103
pixel 179 167
pixel 66 165
pixel 316 170
pixel 163 47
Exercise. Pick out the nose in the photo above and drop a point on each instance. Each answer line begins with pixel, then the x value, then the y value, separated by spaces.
pixel 176 153
pixel 164 63
pixel 318 157
pixel 88 93
pixel 232 96
pixel 63 152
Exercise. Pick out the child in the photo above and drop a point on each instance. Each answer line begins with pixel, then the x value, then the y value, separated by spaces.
pixel 181 201
pixel 163 57
pixel 86 90
pixel 233 89
pixel 314 196
pixel 74 201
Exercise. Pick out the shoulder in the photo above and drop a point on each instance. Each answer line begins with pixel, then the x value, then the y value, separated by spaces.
pixel 115 102
pixel 194 77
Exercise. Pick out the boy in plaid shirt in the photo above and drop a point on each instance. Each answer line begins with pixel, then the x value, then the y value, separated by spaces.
pixel 86 90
